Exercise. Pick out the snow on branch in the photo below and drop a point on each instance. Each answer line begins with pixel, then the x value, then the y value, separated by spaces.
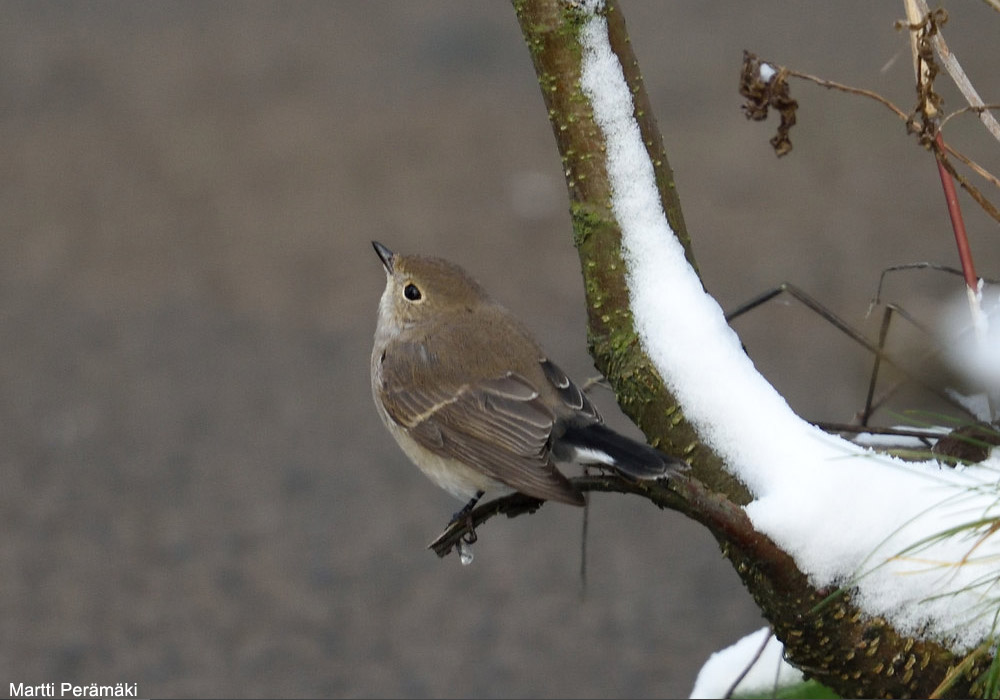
pixel 847 514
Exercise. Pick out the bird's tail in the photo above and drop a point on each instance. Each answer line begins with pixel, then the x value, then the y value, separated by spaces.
pixel 596 443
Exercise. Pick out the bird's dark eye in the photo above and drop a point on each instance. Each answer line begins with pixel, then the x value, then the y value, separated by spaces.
pixel 411 292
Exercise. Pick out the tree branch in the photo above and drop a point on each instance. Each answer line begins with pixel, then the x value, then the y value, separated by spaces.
pixel 681 493
pixel 824 633
pixel 550 30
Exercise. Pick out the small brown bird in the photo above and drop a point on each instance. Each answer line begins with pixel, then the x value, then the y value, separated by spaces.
pixel 473 400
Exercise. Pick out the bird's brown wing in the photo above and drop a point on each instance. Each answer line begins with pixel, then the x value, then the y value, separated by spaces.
pixel 498 426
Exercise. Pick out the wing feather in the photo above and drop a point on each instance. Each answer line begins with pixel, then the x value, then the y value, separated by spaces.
pixel 499 426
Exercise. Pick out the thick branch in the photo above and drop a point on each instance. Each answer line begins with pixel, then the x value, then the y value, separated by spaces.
pixel 826 636
pixel 550 29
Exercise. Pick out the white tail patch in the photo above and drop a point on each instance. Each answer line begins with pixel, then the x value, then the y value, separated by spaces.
pixel 587 455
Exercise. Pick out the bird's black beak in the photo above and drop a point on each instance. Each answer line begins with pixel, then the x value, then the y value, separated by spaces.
pixel 385 255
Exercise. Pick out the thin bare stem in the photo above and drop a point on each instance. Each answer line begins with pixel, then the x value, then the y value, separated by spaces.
pixel 750 664
pixel 973 165
pixel 973 192
pixel 971 189
pixel 957 222
pixel 833 85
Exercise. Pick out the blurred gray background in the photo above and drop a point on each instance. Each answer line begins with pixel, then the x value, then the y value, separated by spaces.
pixel 197 495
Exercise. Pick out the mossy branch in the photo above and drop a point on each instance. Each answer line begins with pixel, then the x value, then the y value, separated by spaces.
pixel 824 634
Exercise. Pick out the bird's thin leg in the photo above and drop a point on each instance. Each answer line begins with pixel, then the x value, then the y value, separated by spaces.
pixel 466 514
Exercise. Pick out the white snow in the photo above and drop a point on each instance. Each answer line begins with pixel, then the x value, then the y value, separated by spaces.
pixel 888 440
pixel 767 673
pixel 767 72
pixel 844 512
pixel 970 331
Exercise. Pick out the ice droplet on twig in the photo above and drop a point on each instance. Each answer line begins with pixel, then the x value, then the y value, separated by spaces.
pixel 464 553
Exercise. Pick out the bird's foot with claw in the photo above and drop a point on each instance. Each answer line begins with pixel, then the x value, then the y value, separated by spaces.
pixel 469 537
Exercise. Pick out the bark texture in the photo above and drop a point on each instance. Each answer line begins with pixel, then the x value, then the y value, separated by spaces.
pixel 824 633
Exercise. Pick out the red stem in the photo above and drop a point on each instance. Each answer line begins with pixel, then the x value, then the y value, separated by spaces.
pixel 957 223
